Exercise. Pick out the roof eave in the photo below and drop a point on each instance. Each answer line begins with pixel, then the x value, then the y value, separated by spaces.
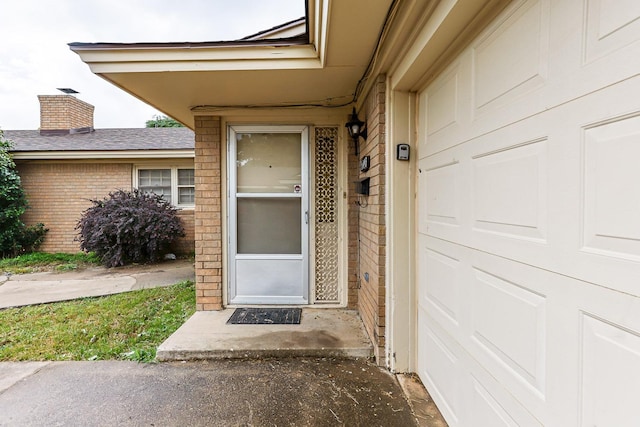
pixel 110 58
pixel 279 42
pixel 103 154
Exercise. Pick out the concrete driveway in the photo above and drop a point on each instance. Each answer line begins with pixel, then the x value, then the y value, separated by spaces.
pixel 283 392
pixel 320 391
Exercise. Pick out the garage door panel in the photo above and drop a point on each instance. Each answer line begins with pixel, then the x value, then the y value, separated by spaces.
pixel 612 188
pixel 439 369
pixel 442 103
pixel 609 26
pixel 446 99
pixel 487 410
pixel 502 319
pixel 439 210
pixel 441 295
pixel 610 363
pixel 510 191
pixel 508 324
pixel 596 190
pixel 509 328
pixel 441 191
pixel 512 59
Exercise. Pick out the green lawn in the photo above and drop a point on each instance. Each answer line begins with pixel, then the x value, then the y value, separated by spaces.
pixel 42 261
pixel 127 326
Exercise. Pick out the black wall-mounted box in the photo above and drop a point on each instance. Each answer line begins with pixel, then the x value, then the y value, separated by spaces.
pixel 362 186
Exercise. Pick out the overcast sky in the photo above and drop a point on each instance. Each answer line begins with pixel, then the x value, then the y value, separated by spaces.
pixel 35 58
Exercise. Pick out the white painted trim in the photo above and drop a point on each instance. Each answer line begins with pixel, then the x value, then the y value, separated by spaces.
pixel 207 58
pixel 277 257
pixel 104 155
pixel 343 215
pixel 174 180
pixel 225 207
pixel 400 304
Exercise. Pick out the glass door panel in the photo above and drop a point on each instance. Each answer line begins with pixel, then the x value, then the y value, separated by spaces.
pixel 268 162
pixel 269 226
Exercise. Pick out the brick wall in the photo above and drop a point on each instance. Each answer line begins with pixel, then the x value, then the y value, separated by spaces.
pixel 208 218
pixel 352 218
pixel 185 245
pixel 371 221
pixel 58 193
pixel 59 112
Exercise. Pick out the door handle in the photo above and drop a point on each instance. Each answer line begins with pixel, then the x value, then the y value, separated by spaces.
pixel 306 217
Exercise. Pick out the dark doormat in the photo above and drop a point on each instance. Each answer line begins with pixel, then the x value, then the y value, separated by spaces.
pixel 265 316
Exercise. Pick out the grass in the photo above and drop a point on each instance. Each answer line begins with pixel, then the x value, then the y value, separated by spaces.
pixel 127 326
pixel 42 261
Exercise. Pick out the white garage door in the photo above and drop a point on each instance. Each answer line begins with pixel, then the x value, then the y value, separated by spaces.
pixel 529 220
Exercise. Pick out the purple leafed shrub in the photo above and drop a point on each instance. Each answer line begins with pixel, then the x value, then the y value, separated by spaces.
pixel 129 227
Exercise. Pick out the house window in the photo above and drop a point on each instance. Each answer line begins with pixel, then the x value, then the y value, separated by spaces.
pixel 175 185
pixel 186 187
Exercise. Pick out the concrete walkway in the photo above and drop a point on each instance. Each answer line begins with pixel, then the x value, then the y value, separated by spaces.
pixel 321 332
pixel 38 288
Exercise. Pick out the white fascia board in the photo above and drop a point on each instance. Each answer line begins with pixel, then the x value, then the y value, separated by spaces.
pixel 318 15
pixel 241 65
pixel 104 155
pixel 112 60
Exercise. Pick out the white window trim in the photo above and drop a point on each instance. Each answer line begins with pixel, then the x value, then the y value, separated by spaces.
pixel 174 181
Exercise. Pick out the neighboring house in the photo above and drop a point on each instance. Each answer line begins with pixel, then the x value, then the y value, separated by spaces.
pixel 67 162
pixel 289 30
pixel 501 261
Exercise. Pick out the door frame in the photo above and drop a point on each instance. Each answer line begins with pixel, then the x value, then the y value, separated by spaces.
pixel 232 130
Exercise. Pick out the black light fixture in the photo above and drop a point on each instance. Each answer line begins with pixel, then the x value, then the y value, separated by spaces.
pixel 357 129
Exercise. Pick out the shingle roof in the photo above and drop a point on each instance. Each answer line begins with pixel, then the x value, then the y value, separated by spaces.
pixel 104 140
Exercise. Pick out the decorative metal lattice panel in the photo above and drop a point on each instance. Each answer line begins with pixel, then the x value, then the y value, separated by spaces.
pixel 326 214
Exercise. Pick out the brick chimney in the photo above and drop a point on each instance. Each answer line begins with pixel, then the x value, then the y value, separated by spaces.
pixel 64 114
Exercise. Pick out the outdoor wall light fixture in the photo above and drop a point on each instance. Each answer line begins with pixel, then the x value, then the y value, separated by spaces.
pixel 357 129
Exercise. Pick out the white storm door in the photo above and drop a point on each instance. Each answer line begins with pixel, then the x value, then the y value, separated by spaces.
pixel 268 215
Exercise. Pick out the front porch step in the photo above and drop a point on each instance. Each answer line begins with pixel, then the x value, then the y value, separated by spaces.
pixel 321 333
